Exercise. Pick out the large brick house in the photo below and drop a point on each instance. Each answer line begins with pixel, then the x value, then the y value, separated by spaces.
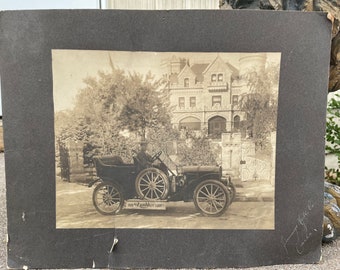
pixel 205 95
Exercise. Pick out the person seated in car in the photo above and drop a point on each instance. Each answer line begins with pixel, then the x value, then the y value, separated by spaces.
pixel 144 159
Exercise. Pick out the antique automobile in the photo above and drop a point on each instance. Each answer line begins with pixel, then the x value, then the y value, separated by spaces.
pixel 119 184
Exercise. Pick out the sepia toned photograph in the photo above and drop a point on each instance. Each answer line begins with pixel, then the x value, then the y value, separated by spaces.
pixel 165 140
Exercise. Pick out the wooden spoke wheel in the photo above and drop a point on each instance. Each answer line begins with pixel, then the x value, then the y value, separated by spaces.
pixel 211 198
pixel 107 198
pixel 152 184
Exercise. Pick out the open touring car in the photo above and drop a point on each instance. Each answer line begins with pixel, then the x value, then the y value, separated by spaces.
pixel 122 185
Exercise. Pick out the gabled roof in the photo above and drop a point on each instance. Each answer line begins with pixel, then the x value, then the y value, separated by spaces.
pixel 186 67
pixel 218 58
pixel 234 71
pixel 198 70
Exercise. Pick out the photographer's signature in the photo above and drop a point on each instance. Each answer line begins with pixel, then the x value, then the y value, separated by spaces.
pixel 301 232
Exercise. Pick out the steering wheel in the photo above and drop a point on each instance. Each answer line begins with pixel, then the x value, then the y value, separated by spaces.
pixel 156 156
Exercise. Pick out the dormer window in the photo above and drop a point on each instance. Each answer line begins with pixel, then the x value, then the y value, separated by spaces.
pixel 186 82
pixel 220 77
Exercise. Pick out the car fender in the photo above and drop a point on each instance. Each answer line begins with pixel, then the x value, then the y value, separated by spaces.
pixel 206 176
pixel 105 179
pixel 193 182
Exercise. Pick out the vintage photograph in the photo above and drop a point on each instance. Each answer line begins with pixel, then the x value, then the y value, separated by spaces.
pixel 165 140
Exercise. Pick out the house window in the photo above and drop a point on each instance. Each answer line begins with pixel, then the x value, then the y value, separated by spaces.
pixel 216 100
pixel 181 102
pixel 192 102
pixel 190 123
pixel 235 100
pixel 186 82
pixel 236 122
pixel 220 77
pixel 213 77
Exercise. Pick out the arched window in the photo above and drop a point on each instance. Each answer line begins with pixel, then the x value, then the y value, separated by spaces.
pixel 236 122
pixel 190 123
pixel 186 82
pixel 220 77
pixel 235 100
pixel 216 126
pixel 213 77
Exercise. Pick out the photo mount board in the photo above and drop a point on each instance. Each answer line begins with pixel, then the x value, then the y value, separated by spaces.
pixel 27 38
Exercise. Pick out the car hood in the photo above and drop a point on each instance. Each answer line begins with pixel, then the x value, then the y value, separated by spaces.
pixel 205 169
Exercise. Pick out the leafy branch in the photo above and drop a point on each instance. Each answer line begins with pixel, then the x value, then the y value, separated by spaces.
pixel 333 127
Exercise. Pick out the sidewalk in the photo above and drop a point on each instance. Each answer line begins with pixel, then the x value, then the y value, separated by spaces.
pixel 254 191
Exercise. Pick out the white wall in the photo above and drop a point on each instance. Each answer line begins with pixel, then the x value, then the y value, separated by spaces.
pixel 162 4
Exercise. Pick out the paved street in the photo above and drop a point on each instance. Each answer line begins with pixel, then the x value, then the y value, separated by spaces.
pixel 75 210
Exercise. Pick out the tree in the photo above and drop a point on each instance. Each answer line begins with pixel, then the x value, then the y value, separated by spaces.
pixel 112 110
pixel 197 150
pixel 333 127
pixel 260 105
pixel 144 105
pixel 93 118
pixel 162 138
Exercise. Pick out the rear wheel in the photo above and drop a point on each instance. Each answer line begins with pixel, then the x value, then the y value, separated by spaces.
pixel 108 198
pixel 152 184
pixel 211 198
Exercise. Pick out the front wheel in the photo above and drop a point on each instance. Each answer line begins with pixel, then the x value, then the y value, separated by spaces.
pixel 211 198
pixel 108 198
pixel 232 190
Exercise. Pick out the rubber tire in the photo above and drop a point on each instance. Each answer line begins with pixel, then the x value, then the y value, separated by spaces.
pixel 222 188
pixel 232 191
pixel 121 198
